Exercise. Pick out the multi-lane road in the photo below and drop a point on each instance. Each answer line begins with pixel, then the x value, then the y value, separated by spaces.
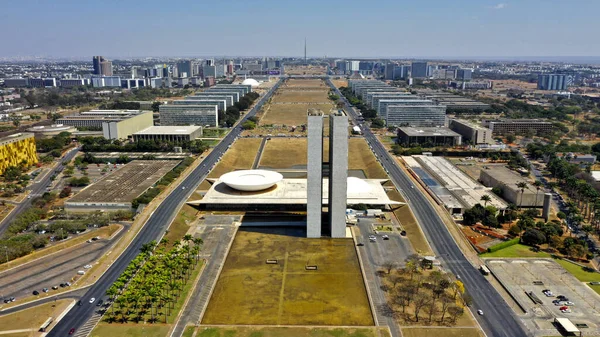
pixel 153 229
pixel 498 318
pixel 37 189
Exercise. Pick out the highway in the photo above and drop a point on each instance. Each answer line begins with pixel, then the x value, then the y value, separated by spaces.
pixel 498 320
pixel 37 189
pixel 155 226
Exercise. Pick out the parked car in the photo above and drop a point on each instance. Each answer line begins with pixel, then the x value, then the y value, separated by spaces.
pixel 568 303
pixel 99 304
pixel 385 237
pixel 54 287
pixel 45 290
pixel 35 292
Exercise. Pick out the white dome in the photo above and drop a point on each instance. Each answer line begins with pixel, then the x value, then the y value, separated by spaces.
pixel 251 81
pixel 251 180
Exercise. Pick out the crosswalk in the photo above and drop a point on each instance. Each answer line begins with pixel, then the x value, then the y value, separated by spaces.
pixel 88 326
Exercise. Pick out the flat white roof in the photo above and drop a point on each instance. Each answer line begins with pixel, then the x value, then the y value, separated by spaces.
pixel 596 175
pixel 294 191
pixel 169 130
pixel 566 324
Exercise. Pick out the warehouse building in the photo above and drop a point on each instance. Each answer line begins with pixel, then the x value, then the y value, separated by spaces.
pixel 428 135
pixel 518 126
pixel 505 179
pixel 471 132
pixel 204 115
pixel 17 149
pixel 176 134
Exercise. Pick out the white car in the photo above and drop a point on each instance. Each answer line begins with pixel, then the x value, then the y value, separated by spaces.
pixel 480 312
pixel 568 303
pixel 565 311
pixel 87 266
pixel 92 299
pixel 373 239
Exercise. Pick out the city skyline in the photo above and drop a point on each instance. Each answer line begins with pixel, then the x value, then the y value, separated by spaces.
pixel 466 29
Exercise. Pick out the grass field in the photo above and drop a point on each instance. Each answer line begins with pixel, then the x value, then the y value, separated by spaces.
pixel 517 251
pixel 32 318
pixel 130 330
pixel 312 96
pixel 581 274
pixel 240 156
pixel 445 332
pixel 290 332
pixel 290 114
pixel 361 158
pixel 181 224
pixel 286 293
pixel 410 225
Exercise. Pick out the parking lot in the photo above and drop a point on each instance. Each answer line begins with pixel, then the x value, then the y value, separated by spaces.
pixel 523 276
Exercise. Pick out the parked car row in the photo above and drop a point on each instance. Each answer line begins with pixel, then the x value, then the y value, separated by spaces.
pixel 62 285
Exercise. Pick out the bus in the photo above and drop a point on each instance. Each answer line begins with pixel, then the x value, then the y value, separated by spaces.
pixel 484 270
pixel 46 324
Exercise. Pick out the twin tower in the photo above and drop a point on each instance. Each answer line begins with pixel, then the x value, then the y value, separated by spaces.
pixel 327 176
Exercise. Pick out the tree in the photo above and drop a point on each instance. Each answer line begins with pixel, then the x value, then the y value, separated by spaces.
pixel 66 191
pixel 155 106
pixel 510 138
pixel 389 265
pixel 491 221
pixel 419 302
pixel 533 237
pixel 377 123
pixel 554 242
pixel 514 230
pixel 575 251
pixel 538 185
pixel 248 125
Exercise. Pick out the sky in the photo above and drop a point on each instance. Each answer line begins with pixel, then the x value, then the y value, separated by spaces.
pixel 350 28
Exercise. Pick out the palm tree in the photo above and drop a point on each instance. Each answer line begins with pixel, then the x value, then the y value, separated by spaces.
pixel 522 185
pixel 485 198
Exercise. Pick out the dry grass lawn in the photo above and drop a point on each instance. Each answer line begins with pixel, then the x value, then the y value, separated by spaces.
pixel 313 96
pixel 283 153
pixel 286 293
pixel 410 225
pixel 290 332
pixel 340 83
pixel 445 332
pixel 240 156
pixel 360 157
pixel 131 330
pixel 181 224
pixel 34 317
pixel 303 83
pixel 290 114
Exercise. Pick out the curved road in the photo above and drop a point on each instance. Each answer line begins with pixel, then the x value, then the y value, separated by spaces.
pixel 153 229
pixel 499 319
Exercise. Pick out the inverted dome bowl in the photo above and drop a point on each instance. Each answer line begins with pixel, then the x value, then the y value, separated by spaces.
pixel 251 180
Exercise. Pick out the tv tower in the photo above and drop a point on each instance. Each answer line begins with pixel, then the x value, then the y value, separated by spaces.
pixel 305 63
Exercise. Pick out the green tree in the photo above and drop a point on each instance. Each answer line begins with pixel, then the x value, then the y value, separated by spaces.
pixel 522 186
pixel 533 237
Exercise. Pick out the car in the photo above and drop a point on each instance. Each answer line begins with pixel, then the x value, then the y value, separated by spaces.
pixel 35 292
pixel 568 303
pixel 360 244
pixel 557 303
pixel 564 307
pixel 89 241
pixel 45 290
pixel 79 303
pixel 183 187
pixel 373 239
pixel 54 287
pixel 385 237
pixel 12 299
pixel 595 283
pixel 72 331
pixel 403 233
pixel 92 299
pixel 87 266
pixel 99 304
pixel 7 301
pixel 480 312
pixel 565 311
pixel 28 197
pixel 68 284
pixel 62 285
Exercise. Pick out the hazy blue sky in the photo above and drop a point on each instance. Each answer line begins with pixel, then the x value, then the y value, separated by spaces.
pixel 416 28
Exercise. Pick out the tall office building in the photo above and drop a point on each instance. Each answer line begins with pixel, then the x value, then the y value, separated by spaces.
pixel 102 66
pixel 185 67
pixel 464 74
pixel 338 174
pixel 419 69
pixel 554 81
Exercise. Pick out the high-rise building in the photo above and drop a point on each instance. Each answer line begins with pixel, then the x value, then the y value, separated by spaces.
pixel 554 81
pixel 419 69
pixel 185 67
pixel 102 66
pixel 17 149
pixel 464 74
pixel 338 174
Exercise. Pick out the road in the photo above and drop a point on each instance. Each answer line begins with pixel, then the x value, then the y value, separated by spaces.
pixel 157 223
pixel 498 320
pixel 37 189
pixel 54 269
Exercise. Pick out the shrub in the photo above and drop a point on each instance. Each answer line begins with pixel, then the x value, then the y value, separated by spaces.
pixel 503 245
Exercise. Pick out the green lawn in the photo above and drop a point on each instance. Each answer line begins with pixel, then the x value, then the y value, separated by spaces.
pixel 130 330
pixel 581 274
pixel 189 331
pixel 184 293
pixel 517 251
pixel 290 332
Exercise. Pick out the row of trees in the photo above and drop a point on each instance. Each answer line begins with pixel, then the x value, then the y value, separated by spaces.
pixel 153 282
pixel 230 116
pixel 99 144
pixel 168 178
pixel 416 294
